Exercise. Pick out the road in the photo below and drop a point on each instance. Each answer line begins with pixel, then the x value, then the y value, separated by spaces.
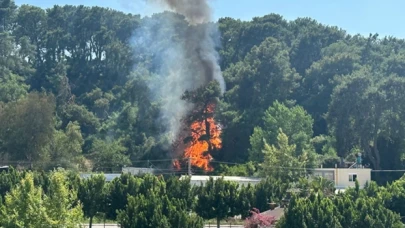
pixel 116 226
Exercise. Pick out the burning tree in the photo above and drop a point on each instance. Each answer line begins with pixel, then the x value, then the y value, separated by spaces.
pixel 203 133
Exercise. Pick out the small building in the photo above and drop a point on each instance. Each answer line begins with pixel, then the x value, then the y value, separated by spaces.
pixel 138 171
pixel 4 168
pixel 242 181
pixel 108 176
pixel 345 177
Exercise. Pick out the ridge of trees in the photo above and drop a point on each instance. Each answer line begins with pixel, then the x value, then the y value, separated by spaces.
pixel 67 75
pixel 63 198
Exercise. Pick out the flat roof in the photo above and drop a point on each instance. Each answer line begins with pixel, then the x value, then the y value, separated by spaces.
pixel 108 176
pixel 332 169
pixel 228 178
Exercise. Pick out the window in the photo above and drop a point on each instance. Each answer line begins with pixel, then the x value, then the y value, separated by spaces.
pixel 352 177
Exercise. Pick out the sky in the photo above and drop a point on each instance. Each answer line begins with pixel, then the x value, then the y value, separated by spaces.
pixel 355 16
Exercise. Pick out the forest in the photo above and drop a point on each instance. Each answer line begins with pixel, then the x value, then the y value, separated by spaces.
pixel 75 93
pixel 82 90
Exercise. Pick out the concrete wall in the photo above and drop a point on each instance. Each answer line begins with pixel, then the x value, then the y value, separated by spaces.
pixel 344 177
pixel 242 181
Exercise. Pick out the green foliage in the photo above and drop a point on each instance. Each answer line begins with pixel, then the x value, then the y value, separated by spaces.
pixel 27 127
pixel 341 211
pixel 294 122
pixel 269 190
pixel 92 193
pixel 244 170
pixel 66 149
pixel 109 155
pixel 280 161
pixel 152 210
pixel 27 206
pixel 217 199
pixel 151 207
pixel 8 180
pixel 328 91
pixel 118 191
pixel 12 88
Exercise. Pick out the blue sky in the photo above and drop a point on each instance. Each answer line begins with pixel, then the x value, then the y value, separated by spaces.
pixel 355 16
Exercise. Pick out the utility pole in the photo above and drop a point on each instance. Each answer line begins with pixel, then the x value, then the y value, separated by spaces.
pixel 189 166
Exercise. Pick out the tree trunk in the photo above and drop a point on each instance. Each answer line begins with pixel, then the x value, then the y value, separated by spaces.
pixel 218 222
pixel 91 221
pixel 369 154
pixel 376 154
pixel 208 133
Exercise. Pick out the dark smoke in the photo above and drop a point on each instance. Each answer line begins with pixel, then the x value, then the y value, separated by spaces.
pixel 195 11
pixel 199 47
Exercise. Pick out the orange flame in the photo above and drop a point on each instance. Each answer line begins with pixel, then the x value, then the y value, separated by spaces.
pixel 176 164
pixel 198 149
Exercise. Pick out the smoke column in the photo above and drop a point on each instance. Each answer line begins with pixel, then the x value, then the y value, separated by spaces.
pixel 184 65
pixel 199 47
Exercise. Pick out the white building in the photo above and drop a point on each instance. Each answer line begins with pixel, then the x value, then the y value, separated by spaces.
pixel 345 178
pixel 138 171
pixel 242 181
pixel 108 176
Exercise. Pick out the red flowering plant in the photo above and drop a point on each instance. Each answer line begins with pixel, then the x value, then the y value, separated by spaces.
pixel 257 220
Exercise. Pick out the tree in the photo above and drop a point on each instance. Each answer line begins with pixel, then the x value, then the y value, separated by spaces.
pixel 109 155
pixel 295 122
pixel 340 211
pixel 92 193
pixel 118 192
pixel 320 184
pixel 269 190
pixel 61 202
pixel 151 210
pixel 23 206
pixel 372 112
pixel 217 199
pixel 66 149
pixel 245 170
pixel 12 88
pixel 27 127
pixel 319 81
pixel 264 76
pixel 27 206
pixel 246 199
pixel 204 133
pixel 181 190
pixel 280 161
pixel 394 197
pixel 8 180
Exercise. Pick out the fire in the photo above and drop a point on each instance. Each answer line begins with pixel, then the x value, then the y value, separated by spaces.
pixel 199 148
pixel 176 164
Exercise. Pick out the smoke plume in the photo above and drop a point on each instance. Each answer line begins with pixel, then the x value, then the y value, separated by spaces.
pixel 183 45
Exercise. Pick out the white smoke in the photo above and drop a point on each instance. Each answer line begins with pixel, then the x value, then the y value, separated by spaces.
pixel 183 49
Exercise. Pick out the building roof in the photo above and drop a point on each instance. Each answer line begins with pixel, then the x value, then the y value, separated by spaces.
pixel 228 178
pixel 333 169
pixel 108 176
pixel 277 213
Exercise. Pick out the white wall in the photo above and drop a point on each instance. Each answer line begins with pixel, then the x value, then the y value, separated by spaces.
pixel 342 177
pixel 242 181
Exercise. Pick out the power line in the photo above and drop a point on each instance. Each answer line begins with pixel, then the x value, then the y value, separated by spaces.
pixel 180 159
pixel 386 170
